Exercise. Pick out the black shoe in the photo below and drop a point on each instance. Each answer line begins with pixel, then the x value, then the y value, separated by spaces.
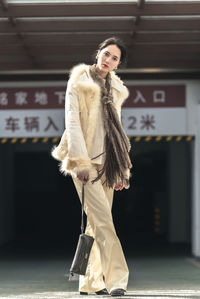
pixel 117 293
pixel 83 293
pixel 101 292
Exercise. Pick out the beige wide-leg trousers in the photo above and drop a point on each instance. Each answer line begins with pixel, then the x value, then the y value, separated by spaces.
pixel 106 258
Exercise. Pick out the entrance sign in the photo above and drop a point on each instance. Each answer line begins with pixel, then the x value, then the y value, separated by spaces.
pixel 156 96
pixel 32 98
pixel 31 123
pixel 39 112
pixel 155 110
pixel 142 122
pixel 32 112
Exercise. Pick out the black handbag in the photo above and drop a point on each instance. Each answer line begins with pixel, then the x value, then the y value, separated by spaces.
pixel 85 242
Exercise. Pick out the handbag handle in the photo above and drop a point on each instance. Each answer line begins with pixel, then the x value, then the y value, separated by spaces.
pixel 82 209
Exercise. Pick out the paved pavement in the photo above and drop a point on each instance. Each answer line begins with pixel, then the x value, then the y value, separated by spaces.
pixel 153 274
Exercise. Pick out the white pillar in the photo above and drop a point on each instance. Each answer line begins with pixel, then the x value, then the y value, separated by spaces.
pixel 196 190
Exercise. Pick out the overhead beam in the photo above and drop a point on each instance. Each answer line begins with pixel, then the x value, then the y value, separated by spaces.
pixel 37 25
pixel 140 3
pixel 4 5
pixel 141 64
pixel 133 70
pixel 97 9
pixel 76 38
pixel 167 36
pixel 169 24
pixel 165 64
pixel 79 38
pixel 107 25
pixel 70 48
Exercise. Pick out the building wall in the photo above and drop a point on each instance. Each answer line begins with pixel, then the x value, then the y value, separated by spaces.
pixel 178 171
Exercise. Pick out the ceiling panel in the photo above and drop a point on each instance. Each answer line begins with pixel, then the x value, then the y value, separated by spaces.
pixel 58 35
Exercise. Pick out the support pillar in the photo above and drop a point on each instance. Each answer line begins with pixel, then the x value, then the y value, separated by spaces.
pixel 196 191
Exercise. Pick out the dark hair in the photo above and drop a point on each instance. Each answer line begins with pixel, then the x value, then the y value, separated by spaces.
pixel 114 41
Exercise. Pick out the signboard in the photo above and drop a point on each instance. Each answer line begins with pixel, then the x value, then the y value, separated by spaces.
pixel 155 110
pixel 39 112
pixel 32 112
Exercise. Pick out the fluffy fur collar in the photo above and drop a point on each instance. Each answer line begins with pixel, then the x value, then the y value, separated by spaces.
pixel 116 83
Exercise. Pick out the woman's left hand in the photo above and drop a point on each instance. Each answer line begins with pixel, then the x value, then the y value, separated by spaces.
pixel 118 187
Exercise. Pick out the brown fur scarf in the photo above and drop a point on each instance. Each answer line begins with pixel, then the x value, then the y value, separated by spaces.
pixel 117 145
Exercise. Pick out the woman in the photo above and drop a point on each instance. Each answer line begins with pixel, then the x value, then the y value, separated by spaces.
pixel 94 151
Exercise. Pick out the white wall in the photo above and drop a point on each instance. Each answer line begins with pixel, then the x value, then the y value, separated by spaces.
pixel 196 190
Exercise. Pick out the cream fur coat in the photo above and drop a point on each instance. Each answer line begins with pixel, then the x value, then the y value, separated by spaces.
pixel 82 104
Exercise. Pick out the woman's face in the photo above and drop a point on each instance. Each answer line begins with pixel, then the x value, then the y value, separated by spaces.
pixel 108 59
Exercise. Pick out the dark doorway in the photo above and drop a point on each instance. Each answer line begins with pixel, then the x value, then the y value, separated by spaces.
pixel 145 200
pixel 47 207
pixel 156 210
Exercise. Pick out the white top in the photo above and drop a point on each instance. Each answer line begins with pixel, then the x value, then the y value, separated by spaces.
pixel 99 135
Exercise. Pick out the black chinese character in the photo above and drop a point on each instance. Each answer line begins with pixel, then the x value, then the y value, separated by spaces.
pixel 12 124
pixel 31 123
pixel 147 122
pixel 51 123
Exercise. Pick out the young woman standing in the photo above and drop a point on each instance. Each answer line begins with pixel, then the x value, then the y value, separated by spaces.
pixel 94 150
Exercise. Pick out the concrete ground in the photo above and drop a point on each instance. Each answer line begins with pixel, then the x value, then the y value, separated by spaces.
pixel 42 274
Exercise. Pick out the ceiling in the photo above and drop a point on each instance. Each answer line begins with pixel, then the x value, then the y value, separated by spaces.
pixel 52 36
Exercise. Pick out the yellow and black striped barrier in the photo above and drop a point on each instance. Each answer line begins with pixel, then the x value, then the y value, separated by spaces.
pixel 55 140
pixel 162 138
pixel 34 140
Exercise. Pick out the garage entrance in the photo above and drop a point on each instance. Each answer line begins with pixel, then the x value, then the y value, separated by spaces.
pixel 156 209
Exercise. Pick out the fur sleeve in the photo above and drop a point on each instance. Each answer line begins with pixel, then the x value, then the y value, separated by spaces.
pixel 77 157
pixel 72 151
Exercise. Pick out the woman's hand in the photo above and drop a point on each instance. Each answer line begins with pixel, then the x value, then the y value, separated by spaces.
pixel 83 176
pixel 118 187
